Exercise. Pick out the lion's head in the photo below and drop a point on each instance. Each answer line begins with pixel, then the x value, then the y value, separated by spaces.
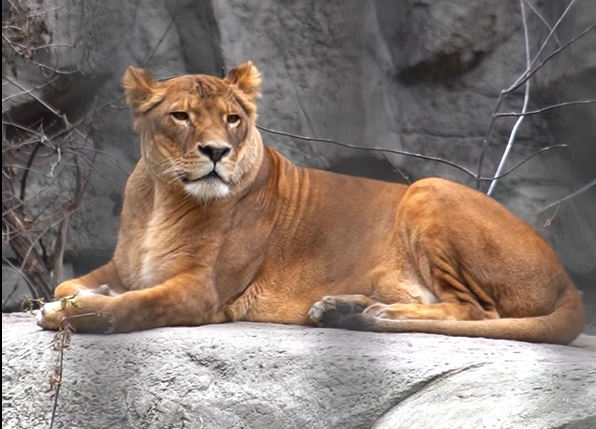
pixel 197 131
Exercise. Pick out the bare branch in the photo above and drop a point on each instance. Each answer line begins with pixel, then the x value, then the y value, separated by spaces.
pixel 27 92
pixel 539 15
pixel 59 247
pixel 33 225
pixel 519 164
pixel 151 54
pixel 20 273
pixel 528 73
pixel 548 222
pixel 519 121
pixel 532 72
pixel 373 149
pixel 397 169
pixel 27 170
pixel 36 98
pixel 32 265
pixel 486 140
pixel 414 155
pixel 544 109
pixel 572 195
pixel 545 43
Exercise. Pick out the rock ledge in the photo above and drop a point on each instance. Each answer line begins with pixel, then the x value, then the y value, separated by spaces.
pixel 246 375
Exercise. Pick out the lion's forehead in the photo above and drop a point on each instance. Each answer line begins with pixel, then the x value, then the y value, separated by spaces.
pixel 213 102
pixel 199 86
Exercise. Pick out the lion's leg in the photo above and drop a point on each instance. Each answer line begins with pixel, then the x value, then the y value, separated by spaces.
pixel 440 311
pixel 332 308
pixel 104 280
pixel 181 301
pixel 454 300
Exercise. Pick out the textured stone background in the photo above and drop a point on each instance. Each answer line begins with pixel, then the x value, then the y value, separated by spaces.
pixel 265 376
pixel 417 75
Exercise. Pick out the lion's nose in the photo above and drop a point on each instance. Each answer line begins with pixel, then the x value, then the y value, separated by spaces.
pixel 215 153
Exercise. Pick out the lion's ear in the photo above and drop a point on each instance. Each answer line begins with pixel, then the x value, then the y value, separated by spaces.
pixel 140 89
pixel 247 79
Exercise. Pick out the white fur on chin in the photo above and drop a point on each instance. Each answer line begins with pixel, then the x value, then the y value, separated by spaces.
pixel 205 190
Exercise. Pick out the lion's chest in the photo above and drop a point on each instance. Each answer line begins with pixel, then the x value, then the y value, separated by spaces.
pixel 152 270
pixel 164 251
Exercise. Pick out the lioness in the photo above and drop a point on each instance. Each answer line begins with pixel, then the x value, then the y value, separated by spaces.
pixel 216 227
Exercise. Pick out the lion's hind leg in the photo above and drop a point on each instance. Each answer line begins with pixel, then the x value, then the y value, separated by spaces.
pixel 359 312
pixel 442 318
pixel 439 311
pixel 330 309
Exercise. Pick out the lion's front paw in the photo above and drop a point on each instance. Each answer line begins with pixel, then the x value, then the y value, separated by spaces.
pixel 68 288
pixel 329 310
pixel 51 315
pixel 85 311
pixel 71 288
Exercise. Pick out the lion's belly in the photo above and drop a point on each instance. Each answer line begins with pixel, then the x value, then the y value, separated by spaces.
pixel 288 293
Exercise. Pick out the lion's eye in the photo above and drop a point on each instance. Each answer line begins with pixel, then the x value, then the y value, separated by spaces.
pixel 180 116
pixel 233 119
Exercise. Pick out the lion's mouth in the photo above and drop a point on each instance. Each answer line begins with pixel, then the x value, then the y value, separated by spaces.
pixel 185 177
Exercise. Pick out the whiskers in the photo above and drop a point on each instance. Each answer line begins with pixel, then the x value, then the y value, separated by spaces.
pixel 168 169
pixel 173 170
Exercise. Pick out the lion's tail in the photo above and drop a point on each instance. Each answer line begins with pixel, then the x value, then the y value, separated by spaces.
pixel 561 326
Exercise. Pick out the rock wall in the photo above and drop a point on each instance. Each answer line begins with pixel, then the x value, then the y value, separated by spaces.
pixel 421 76
pixel 246 375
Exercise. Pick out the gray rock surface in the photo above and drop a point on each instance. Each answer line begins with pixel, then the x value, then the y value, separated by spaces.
pixel 246 375
pixel 422 76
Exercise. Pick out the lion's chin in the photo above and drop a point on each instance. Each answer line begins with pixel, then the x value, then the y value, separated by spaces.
pixel 207 189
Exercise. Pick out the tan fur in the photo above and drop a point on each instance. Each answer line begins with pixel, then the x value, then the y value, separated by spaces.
pixel 268 241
